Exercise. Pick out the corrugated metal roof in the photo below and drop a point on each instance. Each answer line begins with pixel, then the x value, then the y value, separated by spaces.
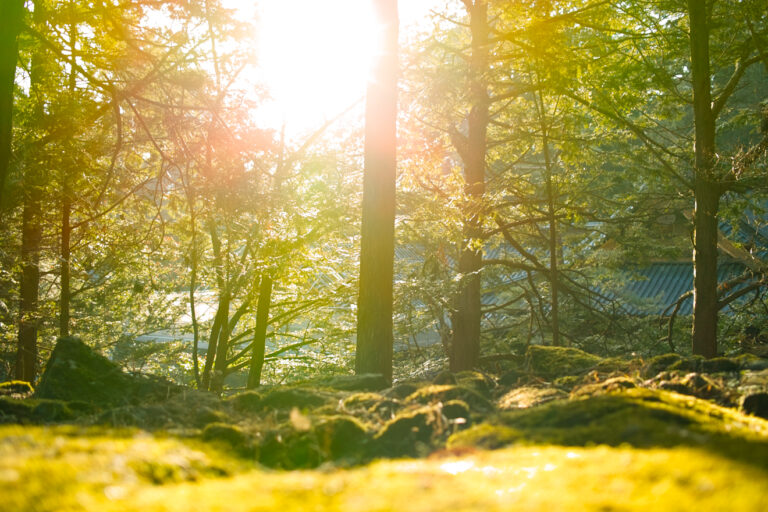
pixel 652 288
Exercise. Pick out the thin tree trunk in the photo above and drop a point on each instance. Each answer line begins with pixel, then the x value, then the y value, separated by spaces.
pixel 467 316
pixel 554 283
pixel 260 334
pixel 706 189
pixel 66 249
pixel 31 236
pixel 377 246
pixel 11 22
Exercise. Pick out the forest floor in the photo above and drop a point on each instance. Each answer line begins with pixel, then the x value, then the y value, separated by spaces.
pixel 555 429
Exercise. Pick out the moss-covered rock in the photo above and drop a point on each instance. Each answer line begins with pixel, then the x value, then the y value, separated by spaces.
pixel 362 401
pixel 485 436
pixel 755 404
pixel 404 389
pixel 16 389
pixel 658 364
pixel 478 381
pixel 75 372
pixel 553 362
pixel 15 411
pixel 363 382
pixel 52 411
pixel 528 396
pixel 444 393
pixel 605 386
pixel 341 437
pixel 640 417
pixel 457 410
pixel 281 398
pixel 445 377
pixel 230 435
pixel 410 433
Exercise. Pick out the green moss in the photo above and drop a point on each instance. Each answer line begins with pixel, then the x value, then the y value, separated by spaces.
pixel 568 382
pixel 456 409
pixel 363 382
pixel 230 435
pixel 485 436
pixel 16 388
pixel 528 396
pixel 478 381
pixel 75 372
pixel 553 362
pixel 362 400
pixel 658 364
pixel 14 411
pixel 280 398
pixel 404 389
pixel 443 393
pixel 247 401
pixel 410 433
pixel 445 377
pixel 341 437
pixel 642 418
pixel 48 411
pixel 606 386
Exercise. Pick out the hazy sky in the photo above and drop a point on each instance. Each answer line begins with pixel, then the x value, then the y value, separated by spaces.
pixel 315 55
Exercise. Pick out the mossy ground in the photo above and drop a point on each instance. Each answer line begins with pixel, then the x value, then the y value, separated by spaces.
pixel 614 436
pixel 46 469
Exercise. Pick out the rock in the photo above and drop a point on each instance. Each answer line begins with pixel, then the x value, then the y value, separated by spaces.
pixel 456 410
pixel 445 377
pixel 485 436
pixel 341 437
pixel 444 393
pixel 404 389
pixel 552 362
pixel 658 364
pixel 364 382
pixel 410 433
pixel 527 396
pixel 755 404
pixel 231 435
pixel 16 389
pixel 280 398
pixel 719 365
pixel 75 372
pixel 607 386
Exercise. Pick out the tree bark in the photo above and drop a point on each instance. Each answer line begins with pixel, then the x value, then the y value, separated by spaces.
pixel 66 252
pixel 260 333
pixel 31 237
pixel 11 23
pixel 706 189
pixel 377 245
pixel 467 315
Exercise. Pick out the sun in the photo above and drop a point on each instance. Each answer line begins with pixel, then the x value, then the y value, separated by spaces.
pixel 315 57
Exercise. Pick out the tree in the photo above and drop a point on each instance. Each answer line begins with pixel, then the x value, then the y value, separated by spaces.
pixel 377 244
pixel 11 24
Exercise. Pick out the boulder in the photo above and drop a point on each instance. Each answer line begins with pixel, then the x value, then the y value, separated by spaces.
pixel 76 373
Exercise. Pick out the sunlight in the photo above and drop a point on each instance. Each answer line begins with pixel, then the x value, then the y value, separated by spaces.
pixel 315 58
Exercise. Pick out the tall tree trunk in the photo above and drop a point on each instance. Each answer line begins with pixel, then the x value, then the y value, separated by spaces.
pixel 31 236
pixel 31 232
pixel 66 250
pixel 466 318
pixel 260 333
pixel 706 189
pixel 377 246
pixel 11 23
pixel 554 278
pixel 220 322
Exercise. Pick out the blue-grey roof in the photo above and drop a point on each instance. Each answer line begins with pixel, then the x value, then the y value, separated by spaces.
pixel 652 288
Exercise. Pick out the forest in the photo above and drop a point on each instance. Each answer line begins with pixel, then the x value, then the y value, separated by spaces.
pixel 381 255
